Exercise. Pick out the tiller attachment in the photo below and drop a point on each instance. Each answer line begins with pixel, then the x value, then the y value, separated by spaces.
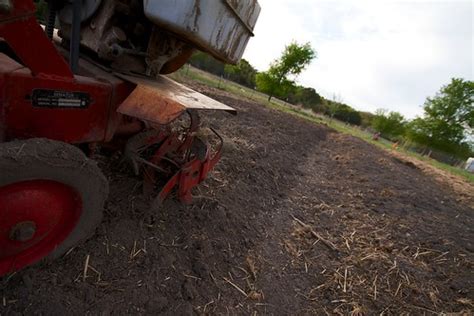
pixel 170 148
pixel 181 157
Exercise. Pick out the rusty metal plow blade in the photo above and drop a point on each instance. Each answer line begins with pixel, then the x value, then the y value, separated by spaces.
pixel 162 100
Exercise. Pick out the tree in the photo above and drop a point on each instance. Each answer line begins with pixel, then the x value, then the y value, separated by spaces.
pixel 366 119
pixel 307 97
pixel 207 63
pixel 266 83
pixel 347 114
pixel 448 120
pixel 343 112
pixel 389 124
pixel 242 73
pixel 295 58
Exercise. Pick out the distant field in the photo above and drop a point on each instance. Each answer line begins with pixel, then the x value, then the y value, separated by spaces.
pixel 189 72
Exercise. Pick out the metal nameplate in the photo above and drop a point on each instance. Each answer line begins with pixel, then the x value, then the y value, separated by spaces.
pixel 60 99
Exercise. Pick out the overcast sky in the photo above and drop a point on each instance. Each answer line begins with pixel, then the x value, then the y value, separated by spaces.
pixel 371 54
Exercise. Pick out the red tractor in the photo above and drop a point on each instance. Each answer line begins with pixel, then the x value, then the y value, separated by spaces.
pixel 92 77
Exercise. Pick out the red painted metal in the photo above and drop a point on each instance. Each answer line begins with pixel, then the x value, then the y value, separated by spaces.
pixel 171 155
pixel 42 66
pixel 38 215
pixel 144 104
pixel 190 175
pixel 187 168
pixel 52 208
pixel 169 145
pixel 25 36
pixel 20 119
pixel 72 125
pixel 161 100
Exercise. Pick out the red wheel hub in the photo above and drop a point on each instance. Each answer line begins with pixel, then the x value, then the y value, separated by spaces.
pixel 35 217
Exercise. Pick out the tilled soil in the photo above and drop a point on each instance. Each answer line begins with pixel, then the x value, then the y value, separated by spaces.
pixel 296 219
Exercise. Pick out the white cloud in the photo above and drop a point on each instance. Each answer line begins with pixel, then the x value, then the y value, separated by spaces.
pixel 390 54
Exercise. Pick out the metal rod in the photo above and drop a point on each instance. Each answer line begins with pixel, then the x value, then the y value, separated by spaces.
pixel 75 37
pixel 51 19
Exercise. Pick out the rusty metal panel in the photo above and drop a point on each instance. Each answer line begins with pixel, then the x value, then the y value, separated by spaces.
pixel 220 27
pixel 162 100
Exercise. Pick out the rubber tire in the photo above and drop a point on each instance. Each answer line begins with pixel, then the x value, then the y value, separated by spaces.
pixel 39 158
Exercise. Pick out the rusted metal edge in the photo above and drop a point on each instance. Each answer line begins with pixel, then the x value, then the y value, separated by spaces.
pixel 237 15
pixel 162 100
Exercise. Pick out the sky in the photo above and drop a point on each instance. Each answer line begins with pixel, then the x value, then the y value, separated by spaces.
pixel 371 54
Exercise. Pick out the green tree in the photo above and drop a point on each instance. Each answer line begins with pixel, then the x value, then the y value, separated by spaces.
pixel 366 119
pixel 347 114
pixel 207 63
pixel 343 112
pixel 389 124
pixel 266 83
pixel 294 59
pixel 307 97
pixel 448 120
pixel 243 73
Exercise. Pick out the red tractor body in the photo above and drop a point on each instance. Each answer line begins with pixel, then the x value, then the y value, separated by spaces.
pixel 51 98
pixel 42 97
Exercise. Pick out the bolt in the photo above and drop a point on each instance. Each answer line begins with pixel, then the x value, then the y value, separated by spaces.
pixel 23 231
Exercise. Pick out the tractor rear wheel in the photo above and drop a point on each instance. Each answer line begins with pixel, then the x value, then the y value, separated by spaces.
pixel 51 198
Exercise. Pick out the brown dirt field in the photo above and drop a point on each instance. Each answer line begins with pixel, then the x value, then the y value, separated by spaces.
pixel 296 219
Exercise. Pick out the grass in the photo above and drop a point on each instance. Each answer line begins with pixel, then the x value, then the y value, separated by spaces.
pixel 189 72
